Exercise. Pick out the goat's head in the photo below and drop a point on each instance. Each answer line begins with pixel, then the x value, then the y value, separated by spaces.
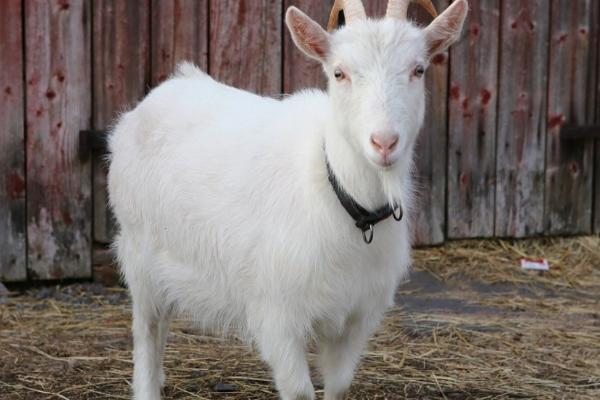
pixel 375 70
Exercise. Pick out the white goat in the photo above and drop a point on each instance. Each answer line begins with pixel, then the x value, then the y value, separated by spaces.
pixel 227 215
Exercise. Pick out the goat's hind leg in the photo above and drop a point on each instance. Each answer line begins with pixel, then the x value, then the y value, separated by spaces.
pixel 146 354
pixel 163 331
pixel 150 318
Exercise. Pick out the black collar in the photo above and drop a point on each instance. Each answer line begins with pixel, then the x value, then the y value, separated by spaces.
pixel 364 220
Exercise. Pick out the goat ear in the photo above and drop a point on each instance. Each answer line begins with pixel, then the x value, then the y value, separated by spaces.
pixel 446 28
pixel 307 34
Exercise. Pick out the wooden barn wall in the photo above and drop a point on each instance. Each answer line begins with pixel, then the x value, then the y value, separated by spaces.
pixel 489 160
pixel 569 164
pixel 58 99
pixel 13 225
pixel 472 124
pixel 594 109
pixel 521 121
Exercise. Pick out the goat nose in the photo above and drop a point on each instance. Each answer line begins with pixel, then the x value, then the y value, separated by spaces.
pixel 384 143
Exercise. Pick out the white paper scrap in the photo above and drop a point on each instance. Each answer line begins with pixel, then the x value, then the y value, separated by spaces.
pixel 536 265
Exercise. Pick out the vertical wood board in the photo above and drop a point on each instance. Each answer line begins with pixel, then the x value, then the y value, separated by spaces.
pixel 179 33
pixel 430 217
pixel 375 8
pixel 594 106
pixel 569 164
pixel 472 123
pixel 520 153
pixel 12 150
pixel 120 77
pixel 245 44
pixel 58 88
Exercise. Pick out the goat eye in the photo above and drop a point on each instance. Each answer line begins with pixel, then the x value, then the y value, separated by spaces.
pixel 419 71
pixel 338 74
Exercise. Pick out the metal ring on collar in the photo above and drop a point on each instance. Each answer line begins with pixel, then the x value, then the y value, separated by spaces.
pixel 400 212
pixel 368 239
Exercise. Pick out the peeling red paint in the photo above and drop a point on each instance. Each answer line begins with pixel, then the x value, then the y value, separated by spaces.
pixel 15 186
pixel 563 38
pixel 486 95
pixel 455 92
pixel 465 104
pixel 525 20
pixel 66 217
pixel 464 179
pixel 438 59
pixel 241 16
pixel 573 168
pixel 556 121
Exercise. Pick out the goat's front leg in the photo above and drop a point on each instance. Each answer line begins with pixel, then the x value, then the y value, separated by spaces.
pixel 339 355
pixel 285 352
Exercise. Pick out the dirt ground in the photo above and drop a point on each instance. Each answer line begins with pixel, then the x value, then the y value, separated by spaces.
pixel 470 324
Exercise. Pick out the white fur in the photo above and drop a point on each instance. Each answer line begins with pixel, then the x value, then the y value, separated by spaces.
pixel 226 214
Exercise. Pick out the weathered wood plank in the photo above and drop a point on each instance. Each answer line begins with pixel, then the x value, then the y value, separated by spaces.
pixel 298 70
pixel 179 32
pixel 430 218
pixel 569 164
pixel 12 154
pixel 375 8
pixel 245 44
pixel 597 185
pixel 594 107
pixel 472 123
pixel 58 77
pixel 522 110
pixel 121 73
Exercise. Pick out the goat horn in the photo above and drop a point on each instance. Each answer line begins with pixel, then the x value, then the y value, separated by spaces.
pixel 398 9
pixel 353 11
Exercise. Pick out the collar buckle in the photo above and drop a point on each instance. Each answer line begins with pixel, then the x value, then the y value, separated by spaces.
pixel 363 218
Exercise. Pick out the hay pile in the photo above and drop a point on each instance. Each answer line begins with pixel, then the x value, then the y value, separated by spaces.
pixel 537 336
pixel 575 262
